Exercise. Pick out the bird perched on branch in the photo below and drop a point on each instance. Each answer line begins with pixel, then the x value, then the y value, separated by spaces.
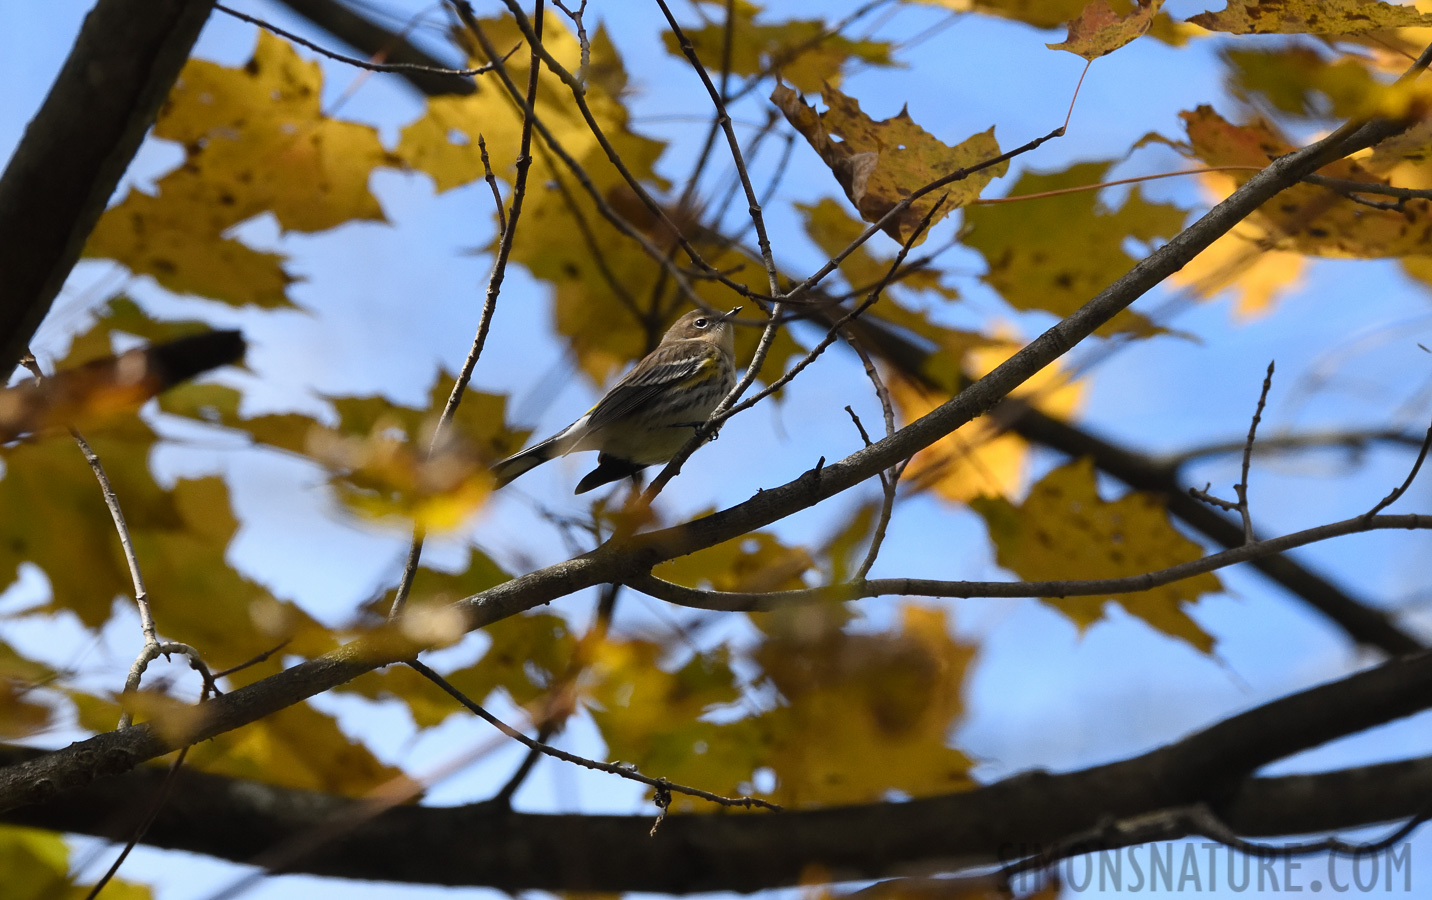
pixel 651 413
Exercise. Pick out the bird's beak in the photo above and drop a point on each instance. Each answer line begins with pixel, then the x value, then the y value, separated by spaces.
pixel 727 316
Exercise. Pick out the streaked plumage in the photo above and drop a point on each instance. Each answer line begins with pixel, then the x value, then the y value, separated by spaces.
pixel 649 414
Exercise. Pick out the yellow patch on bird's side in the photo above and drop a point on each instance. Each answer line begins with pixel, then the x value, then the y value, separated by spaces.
pixel 701 373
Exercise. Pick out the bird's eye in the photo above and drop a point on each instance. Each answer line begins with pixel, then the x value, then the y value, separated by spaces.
pixel 702 323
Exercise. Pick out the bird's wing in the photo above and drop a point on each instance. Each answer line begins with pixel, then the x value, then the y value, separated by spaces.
pixel 641 385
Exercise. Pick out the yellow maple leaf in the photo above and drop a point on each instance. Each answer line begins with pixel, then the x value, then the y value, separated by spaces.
pixel 980 458
pixel 295 747
pixel 865 714
pixel 802 52
pixel 1076 251
pixel 255 140
pixel 1238 262
pixel 153 236
pixel 752 562
pixel 1301 81
pixel 1065 531
pixel 36 864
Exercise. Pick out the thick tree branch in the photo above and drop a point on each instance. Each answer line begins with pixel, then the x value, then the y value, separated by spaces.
pixel 625 559
pixel 77 146
pixel 512 851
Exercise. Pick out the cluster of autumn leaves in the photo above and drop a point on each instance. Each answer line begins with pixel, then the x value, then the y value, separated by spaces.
pixel 860 714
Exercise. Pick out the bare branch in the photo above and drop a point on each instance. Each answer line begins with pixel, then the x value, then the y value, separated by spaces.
pixel 1290 443
pixel 890 478
pixel 1182 822
pixel 367 36
pixel 1242 487
pixel 399 67
pixel 489 306
pixel 1401 489
pixel 1351 189
pixel 141 596
pixel 623 770
pixel 924 587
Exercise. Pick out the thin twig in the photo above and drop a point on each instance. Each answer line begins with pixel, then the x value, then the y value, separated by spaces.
pixel 1212 500
pixel 1242 487
pixel 1038 195
pixel 731 601
pixel 1345 186
pixel 489 306
pixel 1401 489
pixel 166 649
pixel 153 647
pixel 681 277
pixel 141 596
pixel 582 40
pixel 1209 825
pixel 890 478
pixel 619 769
pixel 763 241
pixel 859 426
pixel 492 183
pixel 350 60
pixel 693 179
pixel 1317 440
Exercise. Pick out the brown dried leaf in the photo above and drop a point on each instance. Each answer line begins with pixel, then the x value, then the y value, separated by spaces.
pixel 1310 17
pixel 1099 30
pixel 879 164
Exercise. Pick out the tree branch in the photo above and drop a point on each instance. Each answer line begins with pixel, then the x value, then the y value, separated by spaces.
pixel 512 851
pixel 731 601
pixel 77 146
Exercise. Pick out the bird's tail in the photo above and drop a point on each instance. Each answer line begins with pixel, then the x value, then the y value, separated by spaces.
pixel 557 445
pixel 518 463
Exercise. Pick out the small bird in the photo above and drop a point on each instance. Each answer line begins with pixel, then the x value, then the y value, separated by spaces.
pixel 649 415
